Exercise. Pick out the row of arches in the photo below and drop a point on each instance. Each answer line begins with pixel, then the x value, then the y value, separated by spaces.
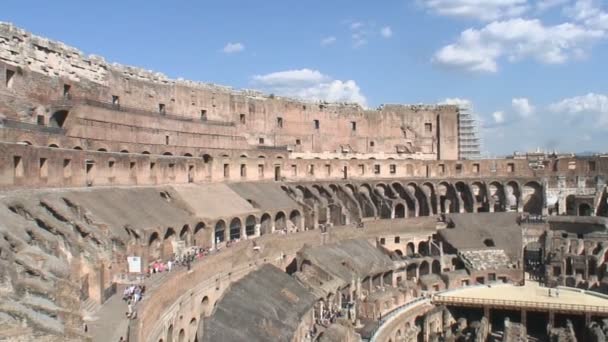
pixel 343 203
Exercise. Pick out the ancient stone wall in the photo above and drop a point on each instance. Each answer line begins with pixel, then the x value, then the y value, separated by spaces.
pixel 38 74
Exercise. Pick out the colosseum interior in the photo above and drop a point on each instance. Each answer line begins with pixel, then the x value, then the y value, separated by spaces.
pixel 135 207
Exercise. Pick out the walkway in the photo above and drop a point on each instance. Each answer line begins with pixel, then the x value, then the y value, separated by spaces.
pixel 531 297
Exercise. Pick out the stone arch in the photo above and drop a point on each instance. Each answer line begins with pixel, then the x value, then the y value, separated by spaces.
pixel 424 268
pixel 77 148
pixel 154 245
pixel 498 196
pixel 533 198
pixel 170 333
pixel 411 271
pixel 465 196
pixel 235 228
pixel 296 218
pixel 124 151
pixel 199 229
pixel 167 153
pixel 424 206
pixel 399 210
pixel 145 152
pixel 168 240
pixel 423 248
pixel 192 329
pixel 181 337
pixel 250 223
pixel 53 146
pixel 479 192
pixel 512 196
pixel 448 201
pixel 102 149
pixel 186 235
pixel 189 155
pixel 436 267
pixel 429 190
pixel 280 222
pixel 410 249
pixel 265 224
pixel 409 197
pixel 571 205
pixel 205 306
pixel 219 233
pixel 58 118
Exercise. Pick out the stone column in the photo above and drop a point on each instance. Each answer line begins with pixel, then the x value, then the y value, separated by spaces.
pixel 524 317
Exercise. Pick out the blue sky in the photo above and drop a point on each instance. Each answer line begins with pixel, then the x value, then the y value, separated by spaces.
pixel 533 70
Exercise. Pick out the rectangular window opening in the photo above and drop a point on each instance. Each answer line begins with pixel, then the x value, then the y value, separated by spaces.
pixel 242 119
pixel 441 169
pixel 458 168
pixel 162 109
pixel 203 115
pixel 475 168
pixel 311 170
pixel 18 166
pixel 328 169
pixel 243 170
pixel 353 126
pixel 166 140
pixel 510 167
pixel 261 141
pixel 67 168
pixel 294 170
pixel 261 170
pixel 298 142
pixel 226 170
pixel 44 168
pixel 376 169
pixel 428 127
pixel 317 124
pixel 592 166
pixel 115 100
pixel 393 169
pixel 280 122
pixel 40 120
pixel 66 91
pixel 361 169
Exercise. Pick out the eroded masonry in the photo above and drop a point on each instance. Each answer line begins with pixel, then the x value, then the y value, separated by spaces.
pixel 250 217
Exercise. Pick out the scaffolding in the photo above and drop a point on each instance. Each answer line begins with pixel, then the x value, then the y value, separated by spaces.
pixel 469 141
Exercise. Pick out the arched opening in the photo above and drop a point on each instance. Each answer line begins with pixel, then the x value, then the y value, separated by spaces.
pixel 571 205
pixel 58 118
pixel 204 306
pixel 411 271
pixel 399 211
pixel 145 152
pixel 182 336
pixel 184 234
pixel 398 252
pixel 167 154
pixel 219 232
pixel 250 225
pixel 533 198
pixel 153 244
pixel 265 224
pixel 78 148
pixel 192 329
pixel 424 268
pixel 170 333
pixel 198 231
pixel 423 248
pixel 54 146
pixel 279 221
pixel 124 151
pixel 409 249
pixel 584 209
pixel 436 267
pixel 296 218
pixel 489 243
pixel 189 155
pixel 235 229
pixel 102 150
pixel 168 241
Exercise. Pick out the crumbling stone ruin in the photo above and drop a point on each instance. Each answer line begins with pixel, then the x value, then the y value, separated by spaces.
pixel 244 216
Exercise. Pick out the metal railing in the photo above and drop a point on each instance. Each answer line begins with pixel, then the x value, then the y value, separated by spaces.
pixel 72 101
pixel 446 300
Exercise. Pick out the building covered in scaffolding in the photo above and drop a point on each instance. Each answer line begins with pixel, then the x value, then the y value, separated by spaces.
pixel 469 141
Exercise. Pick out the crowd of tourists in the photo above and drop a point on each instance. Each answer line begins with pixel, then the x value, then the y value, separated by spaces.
pixel 132 295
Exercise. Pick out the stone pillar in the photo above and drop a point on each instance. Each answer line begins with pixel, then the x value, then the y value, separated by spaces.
pixel 258 229
pixel 524 317
pixel 552 318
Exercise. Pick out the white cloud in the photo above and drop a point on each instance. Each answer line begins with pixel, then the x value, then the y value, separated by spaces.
pixel 328 41
pixel 486 10
pixel 499 117
pixel 457 101
pixel 523 107
pixel 386 32
pixel 589 13
pixel 356 25
pixel 590 104
pixel 480 50
pixel 543 5
pixel 230 48
pixel 310 85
